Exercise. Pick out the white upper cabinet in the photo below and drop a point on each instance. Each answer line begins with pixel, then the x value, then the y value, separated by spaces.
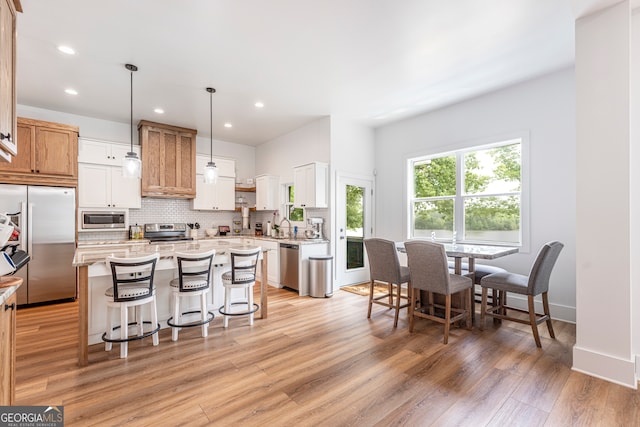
pixel 310 185
pixel 218 196
pixel 100 180
pixel 267 192
pixel 103 153
pixel 226 167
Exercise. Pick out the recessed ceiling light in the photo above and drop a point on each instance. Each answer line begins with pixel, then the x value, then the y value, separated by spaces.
pixel 259 104
pixel 71 91
pixel 228 125
pixel 158 110
pixel 67 50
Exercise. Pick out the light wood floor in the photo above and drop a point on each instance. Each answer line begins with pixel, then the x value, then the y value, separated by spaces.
pixel 316 362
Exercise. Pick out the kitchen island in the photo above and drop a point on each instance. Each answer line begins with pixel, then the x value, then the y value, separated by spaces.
pixel 94 278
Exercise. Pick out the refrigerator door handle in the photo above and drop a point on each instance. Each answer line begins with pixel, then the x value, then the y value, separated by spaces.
pixel 23 239
pixel 29 231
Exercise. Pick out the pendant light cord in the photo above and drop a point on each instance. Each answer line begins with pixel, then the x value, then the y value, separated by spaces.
pixel 211 126
pixel 131 122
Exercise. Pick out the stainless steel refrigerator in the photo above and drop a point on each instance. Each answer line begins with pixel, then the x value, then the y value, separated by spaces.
pixel 47 220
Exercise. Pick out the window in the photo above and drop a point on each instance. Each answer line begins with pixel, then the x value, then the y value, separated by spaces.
pixel 475 192
pixel 292 214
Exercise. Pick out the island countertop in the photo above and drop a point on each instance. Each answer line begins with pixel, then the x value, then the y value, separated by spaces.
pixel 88 255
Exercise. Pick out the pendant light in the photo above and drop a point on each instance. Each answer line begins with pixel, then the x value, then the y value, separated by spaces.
pixel 131 164
pixel 210 171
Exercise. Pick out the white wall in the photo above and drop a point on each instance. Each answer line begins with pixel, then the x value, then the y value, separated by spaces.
pixel 603 263
pixel 307 144
pixel 543 107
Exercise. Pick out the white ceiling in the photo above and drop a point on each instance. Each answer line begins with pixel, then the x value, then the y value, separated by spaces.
pixel 374 61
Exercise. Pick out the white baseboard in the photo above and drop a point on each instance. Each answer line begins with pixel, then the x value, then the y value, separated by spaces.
pixel 604 366
pixel 558 312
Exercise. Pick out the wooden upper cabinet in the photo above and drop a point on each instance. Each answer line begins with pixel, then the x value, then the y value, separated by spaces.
pixel 48 154
pixel 8 144
pixel 168 160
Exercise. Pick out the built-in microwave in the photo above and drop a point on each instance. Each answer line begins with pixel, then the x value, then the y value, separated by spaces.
pixel 96 220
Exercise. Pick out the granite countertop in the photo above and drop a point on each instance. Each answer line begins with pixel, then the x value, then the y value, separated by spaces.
pixel 91 254
pixel 8 286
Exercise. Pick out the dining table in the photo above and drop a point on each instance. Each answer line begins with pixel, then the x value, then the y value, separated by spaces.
pixel 471 251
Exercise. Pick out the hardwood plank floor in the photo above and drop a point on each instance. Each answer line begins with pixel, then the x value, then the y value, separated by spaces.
pixel 316 362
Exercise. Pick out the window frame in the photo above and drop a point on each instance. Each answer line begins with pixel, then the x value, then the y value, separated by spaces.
pixel 287 205
pixel 458 150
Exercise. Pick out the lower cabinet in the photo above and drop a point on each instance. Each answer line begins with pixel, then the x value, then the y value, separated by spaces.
pixel 7 351
pixel 273 264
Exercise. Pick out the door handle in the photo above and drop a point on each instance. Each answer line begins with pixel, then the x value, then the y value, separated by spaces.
pixel 6 136
pixel 11 306
pixel 30 231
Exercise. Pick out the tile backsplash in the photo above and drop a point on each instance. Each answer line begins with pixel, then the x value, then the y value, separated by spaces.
pixel 179 210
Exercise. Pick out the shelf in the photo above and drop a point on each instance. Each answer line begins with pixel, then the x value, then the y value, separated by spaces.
pixel 250 209
pixel 246 189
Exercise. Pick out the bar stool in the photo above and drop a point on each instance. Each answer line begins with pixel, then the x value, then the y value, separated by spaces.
pixel 241 276
pixel 132 287
pixel 194 279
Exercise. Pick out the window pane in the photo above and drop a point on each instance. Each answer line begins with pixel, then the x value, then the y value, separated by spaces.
pixel 435 177
pixel 296 214
pixel 492 170
pixel 434 216
pixel 492 219
pixel 355 226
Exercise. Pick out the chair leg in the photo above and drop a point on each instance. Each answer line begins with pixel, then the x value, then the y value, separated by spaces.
pixel 370 299
pixel 447 318
pixel 470 311
pixel 399 290
pixel 154 320
pixel 390 292
pixel 545 305
pixel 483 308
pixel 176 314
pixel 139 310
pixel 412 307
pixel 532 320
pixel 124 330
pixel 431 308
pixel 203 312
pixel 227 306
pixel 250 303
pixel 108 345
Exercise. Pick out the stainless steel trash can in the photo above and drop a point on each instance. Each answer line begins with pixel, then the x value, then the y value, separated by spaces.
pixel 320 276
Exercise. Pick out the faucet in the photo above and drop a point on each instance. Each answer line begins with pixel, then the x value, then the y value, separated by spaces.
pixel 289 227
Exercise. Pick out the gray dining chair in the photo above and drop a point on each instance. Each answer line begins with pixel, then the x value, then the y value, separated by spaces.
pixel 536 283
pixel 430 273
pixel 385 267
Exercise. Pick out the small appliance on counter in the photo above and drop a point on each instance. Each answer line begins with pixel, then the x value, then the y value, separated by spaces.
pixel 157 233
pixel 258 229
pixel 223 230
pixel 315 232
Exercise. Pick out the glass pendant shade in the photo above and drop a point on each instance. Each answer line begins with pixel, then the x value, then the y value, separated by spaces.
pixel 131 166
pixel 210 173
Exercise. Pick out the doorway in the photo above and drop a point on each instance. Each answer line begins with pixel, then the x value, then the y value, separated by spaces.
pixel 354 224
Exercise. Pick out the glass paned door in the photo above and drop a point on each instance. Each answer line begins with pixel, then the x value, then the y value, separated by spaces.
pixel 353 226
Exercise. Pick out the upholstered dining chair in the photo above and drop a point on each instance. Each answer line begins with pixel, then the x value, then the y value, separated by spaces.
pixel 536 283
pixel 385 267
pixel 430 273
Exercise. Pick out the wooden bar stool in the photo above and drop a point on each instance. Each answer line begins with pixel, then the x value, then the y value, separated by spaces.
pixel 194 279
pixel 132 287
pixel 241 276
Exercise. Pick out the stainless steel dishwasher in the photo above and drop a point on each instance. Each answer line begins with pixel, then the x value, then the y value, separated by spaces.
pixel 289 265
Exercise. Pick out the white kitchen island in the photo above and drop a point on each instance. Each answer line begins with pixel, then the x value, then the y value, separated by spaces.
pixel 94 278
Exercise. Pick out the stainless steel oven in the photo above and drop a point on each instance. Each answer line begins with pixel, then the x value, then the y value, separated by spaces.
pixel 92 220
